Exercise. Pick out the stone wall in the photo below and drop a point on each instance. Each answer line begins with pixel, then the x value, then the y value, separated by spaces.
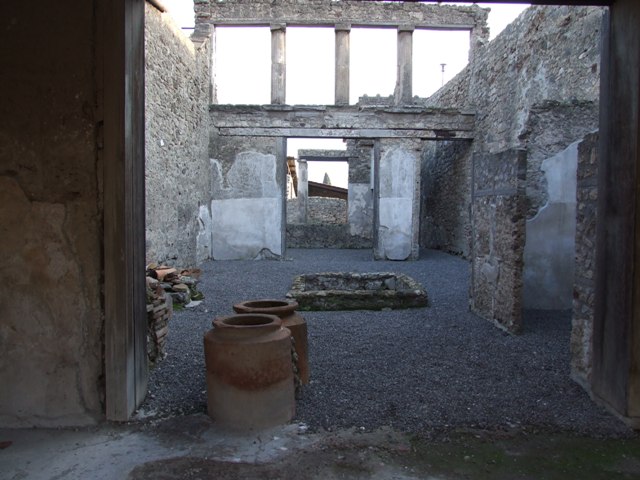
pixel 326 226
pixel 498 228
pixel 178 175
pixel 324 236
pixel 326 210
pixel 551 127
pixel 51 214
pixel 320 210
pixel 548 54
pixel 585 257
pixel 446 191
pixel 322 12
pixel 533 88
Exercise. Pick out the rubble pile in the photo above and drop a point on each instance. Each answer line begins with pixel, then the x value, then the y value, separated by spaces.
pixel 167 288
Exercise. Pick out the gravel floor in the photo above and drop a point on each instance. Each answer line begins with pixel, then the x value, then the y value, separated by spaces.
pixel 416 370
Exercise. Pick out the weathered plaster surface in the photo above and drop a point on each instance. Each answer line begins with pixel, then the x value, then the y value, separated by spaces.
pixel 360 209
pixel 397 205
pixel 550 238
pixel 50 218
pixel 177 141
pixel 247 208
pixel 204 240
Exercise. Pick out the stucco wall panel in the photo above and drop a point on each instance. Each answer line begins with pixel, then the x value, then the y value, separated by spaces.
pixel 246 228
pixel 248 209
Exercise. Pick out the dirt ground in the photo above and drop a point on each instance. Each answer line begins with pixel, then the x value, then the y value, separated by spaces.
pixel 385 454
pixel 193 448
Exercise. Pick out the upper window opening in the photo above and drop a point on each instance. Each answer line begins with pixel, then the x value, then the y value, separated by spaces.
pixel 243 65
pixel 373 62
pixel 310 65
pixel 430 59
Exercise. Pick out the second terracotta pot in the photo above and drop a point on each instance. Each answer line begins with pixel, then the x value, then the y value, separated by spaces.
pixel 291 319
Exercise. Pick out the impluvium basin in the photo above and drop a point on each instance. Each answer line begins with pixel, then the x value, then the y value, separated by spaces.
pixel 357 291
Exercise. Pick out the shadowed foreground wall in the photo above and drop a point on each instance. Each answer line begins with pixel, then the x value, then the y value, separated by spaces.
pixel 50 216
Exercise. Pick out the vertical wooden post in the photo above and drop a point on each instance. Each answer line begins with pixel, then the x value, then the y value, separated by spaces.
pixel 124 210
pixel 404 80
pixel 616 329
pixel 278 64
pixel 342 64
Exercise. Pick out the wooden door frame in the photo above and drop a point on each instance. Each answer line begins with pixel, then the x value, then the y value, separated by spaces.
pixel 121 42
pixel 122 47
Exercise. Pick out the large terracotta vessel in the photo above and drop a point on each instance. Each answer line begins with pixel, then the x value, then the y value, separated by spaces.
pixel 250 383
pixel 291 319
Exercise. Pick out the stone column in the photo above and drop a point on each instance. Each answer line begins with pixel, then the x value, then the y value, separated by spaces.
pixel 342 64
pixel 278 64
pixel 303 190
pixel 403 92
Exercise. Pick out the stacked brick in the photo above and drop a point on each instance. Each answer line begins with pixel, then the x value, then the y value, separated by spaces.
pixel 159 311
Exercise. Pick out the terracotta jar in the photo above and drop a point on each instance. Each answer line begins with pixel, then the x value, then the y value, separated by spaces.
pixel 291 319
pixel 250 382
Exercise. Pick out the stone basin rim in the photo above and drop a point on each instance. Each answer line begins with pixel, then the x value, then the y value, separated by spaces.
pixel 405 292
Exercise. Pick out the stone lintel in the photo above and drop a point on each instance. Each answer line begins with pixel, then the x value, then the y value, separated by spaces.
pixel 243 22
pixel 324 155
pixel 227 110
pixel 329 13
pixel 342 122
pixel 421 134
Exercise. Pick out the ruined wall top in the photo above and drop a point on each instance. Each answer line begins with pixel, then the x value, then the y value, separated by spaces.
pixel 332 12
